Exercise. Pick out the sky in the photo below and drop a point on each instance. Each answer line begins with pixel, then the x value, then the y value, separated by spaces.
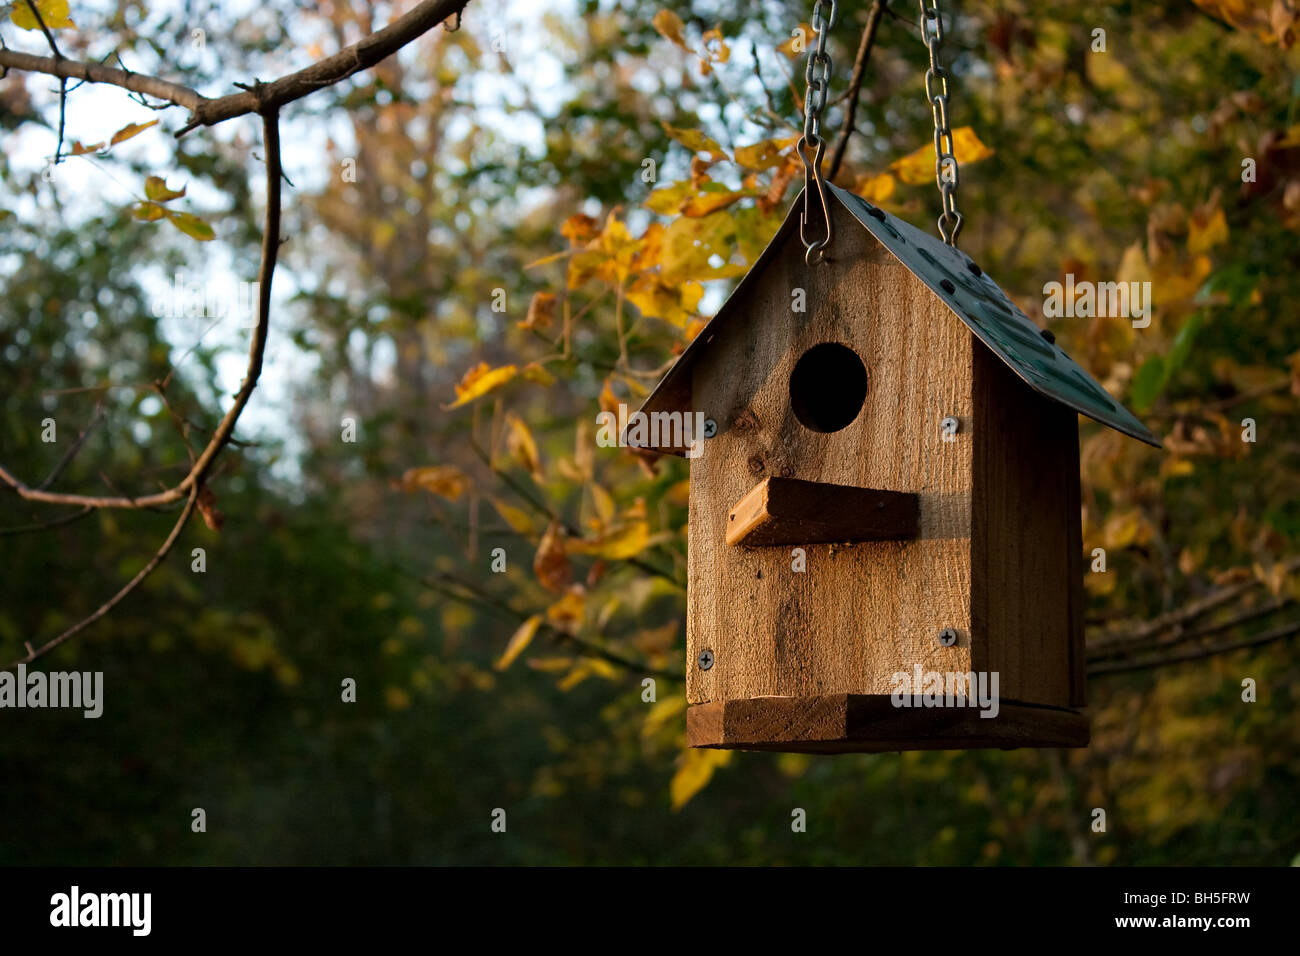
pixel 86 184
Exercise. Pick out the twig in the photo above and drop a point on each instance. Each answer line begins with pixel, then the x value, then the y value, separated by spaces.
pixel 85 622
pixel 1276 634
pixel 72 451
pixel 855 83
pixel 46 525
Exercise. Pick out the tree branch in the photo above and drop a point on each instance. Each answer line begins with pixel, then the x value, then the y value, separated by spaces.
pixel 855 84
pixel 260 97
pixel 116 599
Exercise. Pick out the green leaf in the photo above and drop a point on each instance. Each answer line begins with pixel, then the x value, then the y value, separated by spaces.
pixel 148 212
pixel 191 225
pixel 1148 383
pixel 155 187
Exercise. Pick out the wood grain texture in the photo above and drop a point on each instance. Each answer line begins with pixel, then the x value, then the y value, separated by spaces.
pixel 1026 546
pixel 861 613
pixel 780 511
pixel 844 723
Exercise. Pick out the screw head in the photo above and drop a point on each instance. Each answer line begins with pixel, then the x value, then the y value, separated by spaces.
pixel 947 637
pixel 950 425
pixel 706 659
pixel 710 428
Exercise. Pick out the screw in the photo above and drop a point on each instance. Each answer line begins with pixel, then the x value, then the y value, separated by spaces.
pixel 710 428
pixel 706 659
pixel 947 637
pixel 950 425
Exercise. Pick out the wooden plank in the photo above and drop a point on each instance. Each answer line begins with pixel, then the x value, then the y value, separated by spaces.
pixel 780 511
pixel 857 613
pixel 1025 544
pixel 1076 598
pixel 871 723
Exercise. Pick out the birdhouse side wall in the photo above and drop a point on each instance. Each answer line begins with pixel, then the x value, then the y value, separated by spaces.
pixel 1026 540
pixel 858 614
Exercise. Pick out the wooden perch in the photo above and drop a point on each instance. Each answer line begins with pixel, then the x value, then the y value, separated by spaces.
pixel 780 511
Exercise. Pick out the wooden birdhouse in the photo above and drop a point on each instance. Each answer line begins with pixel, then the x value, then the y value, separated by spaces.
pixel 889 492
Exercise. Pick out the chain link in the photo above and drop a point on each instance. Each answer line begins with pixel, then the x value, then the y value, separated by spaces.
pixel 817 75
pixel 936 91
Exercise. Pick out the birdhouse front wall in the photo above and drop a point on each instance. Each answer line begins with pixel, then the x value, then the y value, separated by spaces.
pixel 856 614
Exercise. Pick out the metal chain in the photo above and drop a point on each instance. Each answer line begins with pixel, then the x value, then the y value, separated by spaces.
pixel 945 160
pixel 817 74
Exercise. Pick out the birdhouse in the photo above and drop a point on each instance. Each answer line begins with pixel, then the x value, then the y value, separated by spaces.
pixel 884 536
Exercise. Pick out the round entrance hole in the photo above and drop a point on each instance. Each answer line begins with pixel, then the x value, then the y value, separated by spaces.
pixel 827 387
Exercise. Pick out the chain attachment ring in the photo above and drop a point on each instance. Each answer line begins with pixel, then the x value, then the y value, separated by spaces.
pixel 817 75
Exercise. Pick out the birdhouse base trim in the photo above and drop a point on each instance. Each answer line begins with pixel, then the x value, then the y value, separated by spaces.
pixel 873 723
pixel 791 511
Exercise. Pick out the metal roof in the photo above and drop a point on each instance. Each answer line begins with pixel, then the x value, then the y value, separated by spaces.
pixel 972 296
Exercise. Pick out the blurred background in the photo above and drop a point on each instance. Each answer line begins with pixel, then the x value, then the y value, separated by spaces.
pixel 502 231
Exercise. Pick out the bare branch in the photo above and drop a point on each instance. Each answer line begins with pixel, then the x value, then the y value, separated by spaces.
pixel 1195 653
pixel 116 599
pixel 855 84
pixel 71 453
pixel 260 97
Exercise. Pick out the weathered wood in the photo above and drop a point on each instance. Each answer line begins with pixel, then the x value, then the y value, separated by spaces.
pixel 862 612
pixel 1025 547
pixel 780 511
pixel 871 723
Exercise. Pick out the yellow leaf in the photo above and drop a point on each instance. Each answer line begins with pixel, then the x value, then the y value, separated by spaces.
pixel 541 311
pixel 79 150
pixel 148 211
pixel 518 642
pixel 876 189
pixel 797 45
pixel 667 200
pixel 519 520
pixel 672 304
pixel 191 225
pixel 765 154
pixel 625 540
pixel 551 563
pixel 155 188
pixel 537 374
pixel 129 130
pixel 446 481
pixel 661 714
pixel 580 228
pixel 520 443
pixel 696 141
pixel 54 14
pixel 480 380
pixel 670 27
pixel 704 203
pixel 715 46
pixel 1121 529
pixel 694 770
pixel 604 504
pixel 1205 230
pixel 566 613
pixel 918 167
